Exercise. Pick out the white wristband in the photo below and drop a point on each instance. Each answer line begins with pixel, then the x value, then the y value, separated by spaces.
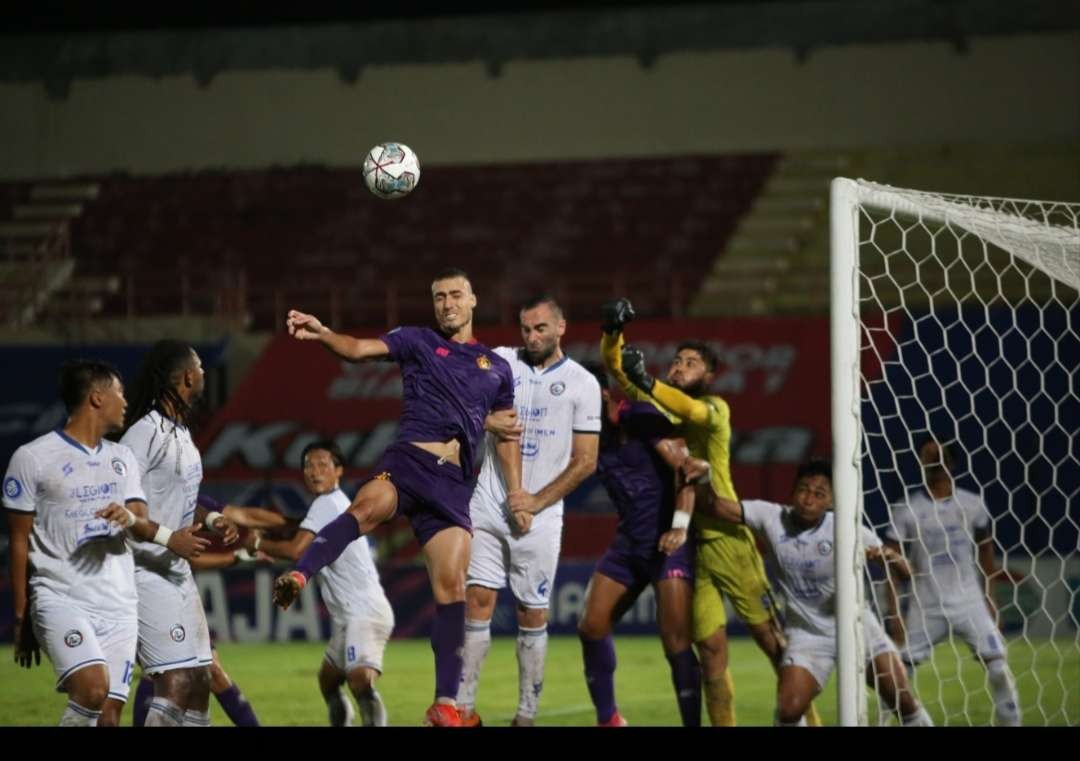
pixel 244 556
pixel 162 536
pixel 130 518
pixel 258 541
pixel 211 519
pixel 680 520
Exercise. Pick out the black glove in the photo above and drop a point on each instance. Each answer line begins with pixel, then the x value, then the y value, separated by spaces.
pixel 633 364
pixel 615 314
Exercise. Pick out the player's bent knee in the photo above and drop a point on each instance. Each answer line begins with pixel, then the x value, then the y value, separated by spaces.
pixel 532 618
pixel 362 679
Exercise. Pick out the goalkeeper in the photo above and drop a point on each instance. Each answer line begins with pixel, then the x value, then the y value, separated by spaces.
pixel 727 563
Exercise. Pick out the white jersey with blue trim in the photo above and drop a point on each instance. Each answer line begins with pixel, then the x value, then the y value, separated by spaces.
pixel 75 557
pixel 350 585
pixel 804 564
pixel 171 474
pixel 940 539
pixel 552 404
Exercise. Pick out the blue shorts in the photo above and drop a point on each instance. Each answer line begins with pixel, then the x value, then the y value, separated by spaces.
pixel 635 568
pixel 431 495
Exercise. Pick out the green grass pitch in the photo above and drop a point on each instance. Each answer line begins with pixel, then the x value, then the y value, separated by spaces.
pixel 279 680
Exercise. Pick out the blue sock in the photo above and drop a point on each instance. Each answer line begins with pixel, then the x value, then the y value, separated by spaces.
pixel 328 545
pixel 686 676
pixel 448 642
pixel 236 707
pixel 599 657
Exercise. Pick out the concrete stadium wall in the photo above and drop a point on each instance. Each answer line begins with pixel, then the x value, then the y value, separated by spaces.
pixel 1002 90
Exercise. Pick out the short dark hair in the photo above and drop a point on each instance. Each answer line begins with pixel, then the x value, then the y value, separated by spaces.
pixel 815 466
pixel 79 376
pixel 599 373
pixel 327 445
pixel 707 354
pixel 543 298
pixel 447 273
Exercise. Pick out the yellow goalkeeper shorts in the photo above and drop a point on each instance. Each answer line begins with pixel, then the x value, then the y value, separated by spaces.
pixel 728 566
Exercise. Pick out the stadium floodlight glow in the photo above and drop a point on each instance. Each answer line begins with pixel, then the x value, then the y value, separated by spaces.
pixel 958 318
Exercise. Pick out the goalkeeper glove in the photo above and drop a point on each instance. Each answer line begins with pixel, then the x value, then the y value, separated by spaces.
pixel 615 314
pixel 633 364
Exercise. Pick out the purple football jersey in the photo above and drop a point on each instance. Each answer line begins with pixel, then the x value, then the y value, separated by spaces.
pixel 636 478
pixel 448 388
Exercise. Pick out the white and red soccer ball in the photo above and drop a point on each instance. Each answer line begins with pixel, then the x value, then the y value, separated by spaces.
pixel 391 170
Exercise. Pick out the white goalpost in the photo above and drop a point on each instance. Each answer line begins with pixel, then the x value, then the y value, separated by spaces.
pixel 957 318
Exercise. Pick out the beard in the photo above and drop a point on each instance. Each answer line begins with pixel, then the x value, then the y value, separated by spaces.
pixel 541 355
pixel 695 389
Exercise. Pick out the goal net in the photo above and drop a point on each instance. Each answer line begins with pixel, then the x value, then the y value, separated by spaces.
pixel 957 319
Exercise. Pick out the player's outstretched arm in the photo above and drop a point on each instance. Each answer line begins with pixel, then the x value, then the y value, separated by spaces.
pixel 254 517
pixel 27 651
pixel 182 542
pixel 673 400
pixel 611 347
pixel 306 327
pixel 719 507
pixel 894 623
pixel 290 549
pixel 218 523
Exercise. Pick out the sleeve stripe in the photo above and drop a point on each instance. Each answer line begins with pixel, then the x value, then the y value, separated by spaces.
pixel 742 512
pixel 19 511
pixel 596 432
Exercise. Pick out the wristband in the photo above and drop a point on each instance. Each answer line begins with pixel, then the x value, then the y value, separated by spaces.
pixel 130 518
pixel 211 519
pixel 244 556
pixel 162 536
pixel 680 520
pixel 258 541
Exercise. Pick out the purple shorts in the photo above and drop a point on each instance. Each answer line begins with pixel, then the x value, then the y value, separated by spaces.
pixel 635 569
pixel 432 496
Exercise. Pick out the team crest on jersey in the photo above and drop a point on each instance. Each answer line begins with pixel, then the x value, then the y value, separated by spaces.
pixel 557 388
pixel 483 362
pixel 824 547
pixel 118 467
pixel 73 638
pixel 384 476
pixel 177 633
pixel 12 487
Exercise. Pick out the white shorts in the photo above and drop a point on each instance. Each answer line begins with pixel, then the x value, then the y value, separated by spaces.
pixel 974 625
pixel 526 562
pixel 359 642
pixel 172 624
pixel 74 639
pixel 817 653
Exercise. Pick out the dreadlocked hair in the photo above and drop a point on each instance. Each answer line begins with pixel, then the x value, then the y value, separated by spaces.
pixel 155 385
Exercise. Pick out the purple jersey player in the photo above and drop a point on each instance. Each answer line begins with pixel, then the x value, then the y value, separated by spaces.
pixel 451 383
pixel 638 460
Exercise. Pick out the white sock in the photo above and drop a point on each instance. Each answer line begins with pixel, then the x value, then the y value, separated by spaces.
pixel 194 718
pixel 918 719
pixel 75 715
pixel 164 713
pixel 1006 701
pixel 372 709
pixel 477 644
pixel 531 654
pixel 340 709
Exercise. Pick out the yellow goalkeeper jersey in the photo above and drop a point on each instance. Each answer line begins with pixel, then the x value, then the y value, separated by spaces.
pixel 705 423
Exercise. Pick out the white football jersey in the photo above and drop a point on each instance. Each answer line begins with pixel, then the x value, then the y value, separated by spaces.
pixel 803 562
pixel 350 585
pixel 171 474
pixel 552 404
pixel 940 538
pixel 73 555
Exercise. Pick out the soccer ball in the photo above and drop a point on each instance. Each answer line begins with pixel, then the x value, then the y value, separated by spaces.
pixel 391 170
